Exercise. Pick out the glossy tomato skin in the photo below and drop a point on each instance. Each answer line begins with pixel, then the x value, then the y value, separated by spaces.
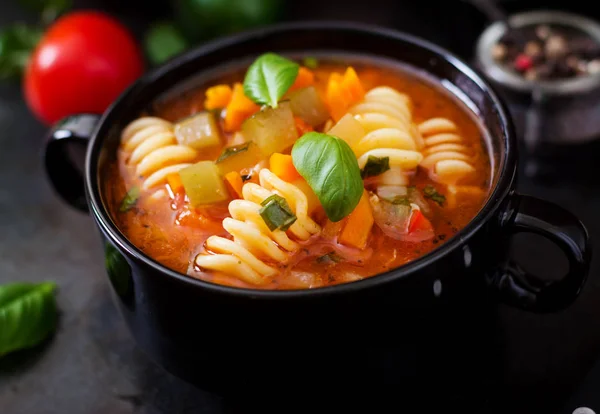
pixel 83 63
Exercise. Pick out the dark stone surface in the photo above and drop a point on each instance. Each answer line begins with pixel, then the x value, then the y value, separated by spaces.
pixel 92 365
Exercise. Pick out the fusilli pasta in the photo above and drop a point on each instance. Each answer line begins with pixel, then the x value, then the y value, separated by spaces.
pixel 253 242
pixel 152 147
pixel 445 153
pixel 386 117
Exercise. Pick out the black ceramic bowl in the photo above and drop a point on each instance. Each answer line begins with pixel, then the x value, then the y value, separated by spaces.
pixel 419 324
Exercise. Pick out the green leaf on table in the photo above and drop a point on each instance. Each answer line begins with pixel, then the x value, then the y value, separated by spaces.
pixel 27 314
pixel 17 42
pixel 269 78
pixel 329 166
pixel 48 9
pixel 163 41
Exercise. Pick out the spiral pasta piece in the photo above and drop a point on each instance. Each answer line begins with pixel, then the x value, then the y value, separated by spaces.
pixel 386 117
pixel 253 242
pixel 152 147
pixel 445 153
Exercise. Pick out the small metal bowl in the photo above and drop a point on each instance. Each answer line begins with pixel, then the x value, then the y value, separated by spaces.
pixel 559 111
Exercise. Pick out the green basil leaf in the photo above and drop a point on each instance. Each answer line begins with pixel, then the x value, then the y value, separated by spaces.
pixel 130 199
pixel 430 192
pixel 49 9
pixel 27 315
pixel 269 78
pixel 17 42
pixel 163 41
pixel 329 166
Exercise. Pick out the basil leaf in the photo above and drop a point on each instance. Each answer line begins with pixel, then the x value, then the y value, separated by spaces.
pixel 49 9
pixel 130 199
pixel 163 41
pixel 27 315
pixel 375 166
pixel 329 166
pixel 17 42
pixel 402 200
pixel 430 192
pixel 269 78
pixel 276 213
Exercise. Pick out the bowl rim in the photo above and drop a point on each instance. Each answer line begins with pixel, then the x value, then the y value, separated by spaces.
pixel 507 169
pixel 502 76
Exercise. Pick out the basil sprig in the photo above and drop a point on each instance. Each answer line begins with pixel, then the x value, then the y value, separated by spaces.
pixel 27 315
pixel 269 78
pixel 329 166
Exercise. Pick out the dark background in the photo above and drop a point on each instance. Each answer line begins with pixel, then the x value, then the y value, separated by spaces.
pixel 92 365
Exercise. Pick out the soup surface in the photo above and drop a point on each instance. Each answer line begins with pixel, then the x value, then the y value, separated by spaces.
pixel 212 184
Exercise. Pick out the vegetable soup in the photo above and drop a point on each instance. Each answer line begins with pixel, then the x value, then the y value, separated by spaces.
pixel 295 174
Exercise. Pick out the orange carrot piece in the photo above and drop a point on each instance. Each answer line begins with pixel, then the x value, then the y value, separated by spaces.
pixel 238 109
pixel 358 226
pixel 234 182
pixel 301 126
pixel 305 78
pixel 282 166
pixel 342 92
pixel 218 97
pixel 174 181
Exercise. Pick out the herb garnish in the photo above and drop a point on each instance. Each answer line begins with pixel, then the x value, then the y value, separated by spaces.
pixel 130 199
pixel 329 166
pixel 276 213
pixel 230 151
pixel 269 78
pixel 430 192
pixel 375 166
pixel 331 257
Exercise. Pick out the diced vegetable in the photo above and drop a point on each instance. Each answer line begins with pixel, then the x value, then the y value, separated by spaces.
pixel 272 129
pixel 130 199
pixel 301 126
pixel 431 193
pixel 311 197
pixel 415 197
pixel 390 192
pixel 418 222
pixel 238 157
pixel 401 221
pixel 393 176
pixel 348 129
pixel 198 131
pixel 358 226
pixel 282 166
pixel 307 104
pixel 375 166
pixel 305 78
pixel 218 97
pixel 276 213
pixel 203 183
pixel 174 181
pixel 343 92
pixel 234 182
pixel 238 109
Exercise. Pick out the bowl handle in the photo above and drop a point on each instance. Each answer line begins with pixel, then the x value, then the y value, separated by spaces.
pixel 67 180
pixel 517 287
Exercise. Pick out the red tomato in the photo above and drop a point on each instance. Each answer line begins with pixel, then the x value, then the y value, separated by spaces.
pixel 82 63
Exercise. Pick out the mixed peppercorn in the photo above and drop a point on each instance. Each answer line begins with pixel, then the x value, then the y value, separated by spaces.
pixel 548 53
